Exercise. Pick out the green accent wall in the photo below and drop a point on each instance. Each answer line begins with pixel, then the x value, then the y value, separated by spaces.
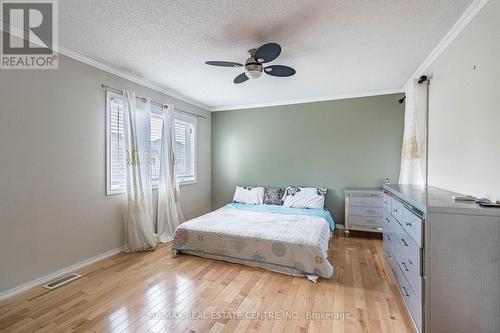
pixel 333 144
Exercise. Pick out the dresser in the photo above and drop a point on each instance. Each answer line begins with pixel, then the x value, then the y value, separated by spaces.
pixel 364 210
pixel 445 258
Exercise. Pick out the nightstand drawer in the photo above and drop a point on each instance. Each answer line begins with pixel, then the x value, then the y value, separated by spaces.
pixel 366 201
pixel 366 211
pixel 366 221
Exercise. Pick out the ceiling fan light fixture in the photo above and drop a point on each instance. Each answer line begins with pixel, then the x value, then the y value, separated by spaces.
pixel 254 64
pixel 253 73
pixel 253 68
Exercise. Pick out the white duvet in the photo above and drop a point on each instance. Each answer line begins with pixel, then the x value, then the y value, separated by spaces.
pixel 292 244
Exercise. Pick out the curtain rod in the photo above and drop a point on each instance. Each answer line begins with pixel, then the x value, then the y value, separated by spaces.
pixel 422 79
pixel 163 106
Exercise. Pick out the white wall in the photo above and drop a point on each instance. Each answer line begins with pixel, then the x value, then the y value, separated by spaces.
pixel 53 208
pixel 464 110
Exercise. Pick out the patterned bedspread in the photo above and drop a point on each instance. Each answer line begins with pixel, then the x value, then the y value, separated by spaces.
pixel 282 239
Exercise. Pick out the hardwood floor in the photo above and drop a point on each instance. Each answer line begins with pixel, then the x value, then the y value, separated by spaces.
pixel 143 292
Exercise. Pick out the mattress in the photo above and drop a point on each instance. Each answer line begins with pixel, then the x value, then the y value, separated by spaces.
pixel 287 240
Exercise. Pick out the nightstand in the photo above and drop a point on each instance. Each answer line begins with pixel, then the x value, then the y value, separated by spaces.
pixel 364 210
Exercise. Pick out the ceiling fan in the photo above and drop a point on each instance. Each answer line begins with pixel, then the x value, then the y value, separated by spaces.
pixel 253 65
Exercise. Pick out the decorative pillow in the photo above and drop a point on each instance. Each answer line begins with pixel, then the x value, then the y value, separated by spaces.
pixel 305 197
pixel 273 196
pixel 249 195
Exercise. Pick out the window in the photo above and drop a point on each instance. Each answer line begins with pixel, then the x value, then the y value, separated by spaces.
pixel 156 126
pixel 115 144
pixel 185 129
pixel 185 143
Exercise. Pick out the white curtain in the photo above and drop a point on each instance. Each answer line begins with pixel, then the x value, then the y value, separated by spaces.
pixel 413 155
pixel 138 215
pixel 169 212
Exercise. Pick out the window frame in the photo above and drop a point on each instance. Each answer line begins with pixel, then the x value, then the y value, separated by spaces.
pixel 107 134
pixel 154 110
pixel 194 121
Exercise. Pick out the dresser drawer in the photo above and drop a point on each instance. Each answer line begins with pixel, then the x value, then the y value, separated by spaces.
pixel 414 279
pixel 387 202
pixel 411 270
pixel 394 236
pixel 409 221
pixel 407 254
pixel 412 302
pixel 366 221
pixel 366 201
pixel 390 244
pixel 387 247
pixel 366 211
pixel 413 225
pixel 397 209
pixel 389 256
pixel 388 222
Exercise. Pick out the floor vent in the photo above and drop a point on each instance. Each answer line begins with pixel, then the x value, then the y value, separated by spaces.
pixel 59 282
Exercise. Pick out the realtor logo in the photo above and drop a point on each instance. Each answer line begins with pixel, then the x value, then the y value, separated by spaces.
pixel 29 36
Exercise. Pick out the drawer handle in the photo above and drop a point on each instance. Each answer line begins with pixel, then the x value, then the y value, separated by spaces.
pixel 406 268
pixel 411 262
pixel 394 210
pixel 387 236
pixel 406 292
pixel 408 224
pixel 388 254
pixel 387 220
pixel 404 242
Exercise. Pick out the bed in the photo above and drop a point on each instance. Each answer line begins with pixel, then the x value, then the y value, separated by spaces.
pixel 288 240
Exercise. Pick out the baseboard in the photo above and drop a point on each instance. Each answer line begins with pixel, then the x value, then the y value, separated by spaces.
pixel 47 278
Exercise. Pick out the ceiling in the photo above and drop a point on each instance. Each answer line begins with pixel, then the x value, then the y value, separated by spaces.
pixel 339 48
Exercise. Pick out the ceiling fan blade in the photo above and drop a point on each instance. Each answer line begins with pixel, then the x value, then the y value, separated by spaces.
pixel 279 70
pixel 267 52
pixel 223 63
pixel 240 78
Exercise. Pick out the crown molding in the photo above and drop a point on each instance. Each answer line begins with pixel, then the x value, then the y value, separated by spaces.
pixel 308 100
pixel 470 13
pixel 18 32
pixel 463 21
pixel 128 76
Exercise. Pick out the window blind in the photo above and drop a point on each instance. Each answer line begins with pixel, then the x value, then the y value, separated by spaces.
pixel 184 136
pixel 117 171
pixel 184 149
pixel 156 128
